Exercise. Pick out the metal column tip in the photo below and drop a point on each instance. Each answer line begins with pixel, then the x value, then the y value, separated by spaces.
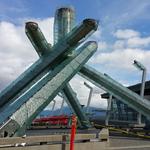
pixel 91 22
pixel 32 25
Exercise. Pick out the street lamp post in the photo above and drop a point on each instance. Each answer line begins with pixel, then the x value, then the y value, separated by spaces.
pixel 141 67
pixel 90 96
pixel 54 102
pixel 62 105
pixel 108 110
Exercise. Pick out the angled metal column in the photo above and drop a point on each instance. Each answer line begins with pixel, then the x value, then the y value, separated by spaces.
pixel 83 119
pixel 37 39
pixel 64 20
pixel 67 101
pixel 40 95
pixel 122 93
pixel 63 47
pixel 63 24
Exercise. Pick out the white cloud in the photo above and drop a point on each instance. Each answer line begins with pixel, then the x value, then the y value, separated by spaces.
pixel 16 51
pixel 102 46
pixel 128 46
pixel 126 34
pixel 118 60
pixel 138 42
pixel 122 59
pixel 119 44
pixel 130 38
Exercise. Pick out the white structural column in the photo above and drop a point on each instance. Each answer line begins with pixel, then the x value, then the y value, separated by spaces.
pixel 142 68
pixel 54 103
pixel 90 96
pixel 108 109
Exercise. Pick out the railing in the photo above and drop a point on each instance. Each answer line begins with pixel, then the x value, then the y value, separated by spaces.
pixel 92 141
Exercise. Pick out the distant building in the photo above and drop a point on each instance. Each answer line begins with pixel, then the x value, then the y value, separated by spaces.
pixel 121 112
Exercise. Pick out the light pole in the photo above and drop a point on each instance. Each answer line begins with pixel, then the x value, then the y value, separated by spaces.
pixel 108 110
pixel 141 67
pixel 90 96
pixel 62 104
pixel 54 102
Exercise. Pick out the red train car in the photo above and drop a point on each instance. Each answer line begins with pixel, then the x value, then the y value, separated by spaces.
pixel 53 121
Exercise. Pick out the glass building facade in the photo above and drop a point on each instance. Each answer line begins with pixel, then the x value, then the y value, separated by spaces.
pixel 122 112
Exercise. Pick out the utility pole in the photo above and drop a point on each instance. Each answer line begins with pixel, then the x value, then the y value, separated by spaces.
pixel 142 68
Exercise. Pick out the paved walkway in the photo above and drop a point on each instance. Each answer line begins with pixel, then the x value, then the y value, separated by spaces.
pixel 128 143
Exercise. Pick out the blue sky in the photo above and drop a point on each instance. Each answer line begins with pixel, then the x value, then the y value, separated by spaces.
pixel 123 35
pixel 116 13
